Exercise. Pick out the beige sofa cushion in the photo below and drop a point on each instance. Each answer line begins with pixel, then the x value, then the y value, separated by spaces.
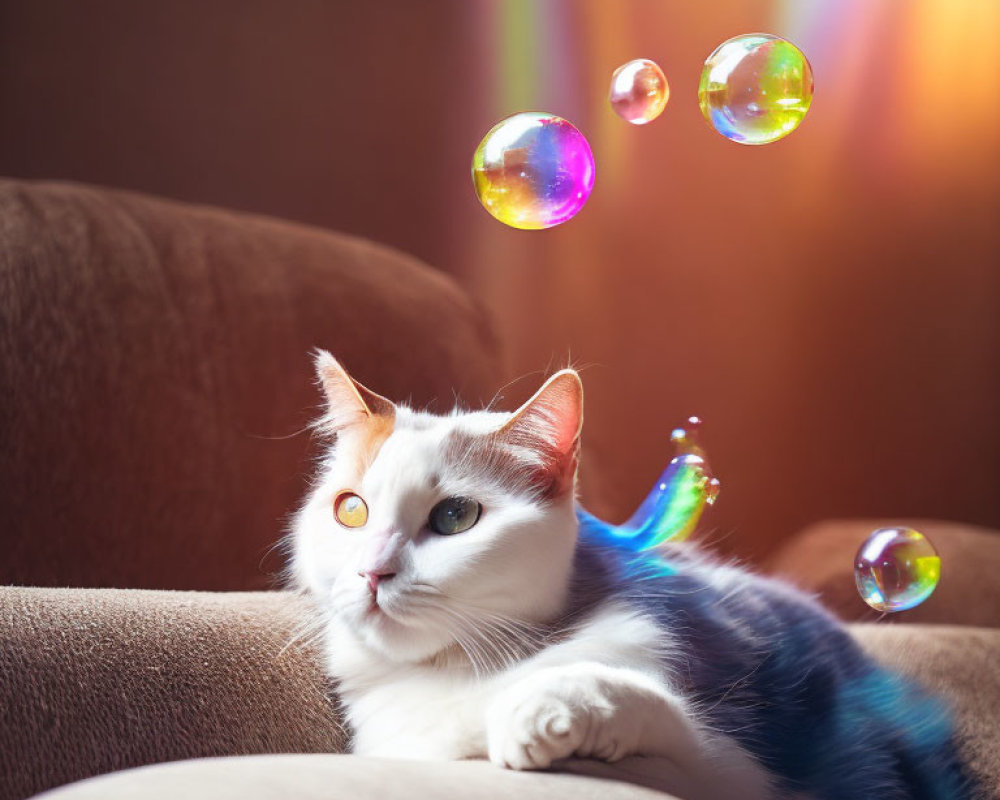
pixel 313 777
pixel 820 559
pixel 102 680
pixel 96 680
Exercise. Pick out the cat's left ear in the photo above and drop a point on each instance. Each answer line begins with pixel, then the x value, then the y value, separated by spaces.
pixel 550 424
pixel 348 402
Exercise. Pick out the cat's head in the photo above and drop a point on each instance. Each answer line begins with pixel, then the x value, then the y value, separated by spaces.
pixel 422 528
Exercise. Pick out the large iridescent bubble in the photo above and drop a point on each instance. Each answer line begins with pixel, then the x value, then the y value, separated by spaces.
pixel 755 89
pixel 896 569
pixel 533 170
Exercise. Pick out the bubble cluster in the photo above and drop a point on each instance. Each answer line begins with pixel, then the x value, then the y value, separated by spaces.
pixel 755 89
pixel 896 569
pixel 672 509
pixel 639 91
pixel 673 506
pixel 533 170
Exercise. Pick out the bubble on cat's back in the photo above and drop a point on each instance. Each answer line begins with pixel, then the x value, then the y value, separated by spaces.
pixel 756 88
pixel 896 569
pixel 673 507
pixel 639 91
pixel 533 170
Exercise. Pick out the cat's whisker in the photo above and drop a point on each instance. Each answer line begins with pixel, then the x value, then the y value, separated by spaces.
pixel 469 646
pixel 518 627
pixel 512 640
pixel 473 637
pixel 499 393
pixel 497 654
pixel 282 545
pixel 433 611
pixel 506 639
pixel 306 634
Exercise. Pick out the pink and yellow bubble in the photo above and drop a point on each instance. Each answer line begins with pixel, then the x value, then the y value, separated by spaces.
pixel 639 91
pixel 533 170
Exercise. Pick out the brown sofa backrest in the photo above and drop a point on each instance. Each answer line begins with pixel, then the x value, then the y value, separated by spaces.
pixel 155 378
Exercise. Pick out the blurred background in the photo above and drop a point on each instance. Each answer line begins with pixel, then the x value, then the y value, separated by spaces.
pixel 829 304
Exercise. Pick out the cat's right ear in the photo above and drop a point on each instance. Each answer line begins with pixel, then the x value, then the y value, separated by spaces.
pixel 348 403
pixel 549 424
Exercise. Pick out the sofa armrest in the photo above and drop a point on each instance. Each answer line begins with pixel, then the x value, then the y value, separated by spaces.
pixel 98 680
pixel 820 559
pixel 154 364
pixel 959 663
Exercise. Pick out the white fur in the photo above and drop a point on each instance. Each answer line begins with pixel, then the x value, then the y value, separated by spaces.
pixel 451 666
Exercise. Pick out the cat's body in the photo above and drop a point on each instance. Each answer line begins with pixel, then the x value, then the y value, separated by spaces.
pixel 506 636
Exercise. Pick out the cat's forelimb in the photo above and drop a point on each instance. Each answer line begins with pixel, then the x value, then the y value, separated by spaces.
pixel 590 710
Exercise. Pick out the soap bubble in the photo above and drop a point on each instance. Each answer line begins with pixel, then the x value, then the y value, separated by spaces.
pixel 896 569
pixel 533 170
pixel 639 91
pixel 673 506
pixel 755 89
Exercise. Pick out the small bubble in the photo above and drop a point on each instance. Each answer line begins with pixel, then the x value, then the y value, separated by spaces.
pixel 896 569
pixel 639 91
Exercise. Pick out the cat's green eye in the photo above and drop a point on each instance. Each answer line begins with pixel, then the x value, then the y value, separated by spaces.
pixel 454 515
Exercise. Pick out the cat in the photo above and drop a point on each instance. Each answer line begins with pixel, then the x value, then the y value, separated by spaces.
pixel 464 617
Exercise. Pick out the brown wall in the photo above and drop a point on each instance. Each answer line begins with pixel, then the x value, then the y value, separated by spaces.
pixel 830 304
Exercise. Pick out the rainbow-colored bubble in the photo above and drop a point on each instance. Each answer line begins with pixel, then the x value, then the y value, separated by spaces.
pixel 533 170
pixel 639 91
pixel 755 89
pixel 896 569
pixel 673 506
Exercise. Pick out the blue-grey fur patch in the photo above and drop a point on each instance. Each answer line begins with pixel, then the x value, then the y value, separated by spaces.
pixel 769 667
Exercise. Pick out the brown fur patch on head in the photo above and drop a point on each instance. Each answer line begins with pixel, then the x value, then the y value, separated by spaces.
pixel 359 418
pixel 371 437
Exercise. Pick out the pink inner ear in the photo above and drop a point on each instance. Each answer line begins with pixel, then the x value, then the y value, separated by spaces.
pixel 563 416
pixel 344 402
pixel 348 402
pixel 549 423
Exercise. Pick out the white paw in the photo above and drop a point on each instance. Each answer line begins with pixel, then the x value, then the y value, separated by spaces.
pixel 586 710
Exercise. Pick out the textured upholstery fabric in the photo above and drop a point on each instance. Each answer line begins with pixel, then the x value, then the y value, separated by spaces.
pixel 959 663
pixel 99 680
pixel 154 366
pixel 820 559
pixel 341 777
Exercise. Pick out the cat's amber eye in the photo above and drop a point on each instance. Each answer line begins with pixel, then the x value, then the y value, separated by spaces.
pixel 350 510
pixel 454 515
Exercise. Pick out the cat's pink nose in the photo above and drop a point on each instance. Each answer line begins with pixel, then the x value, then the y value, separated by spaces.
pixel 373 579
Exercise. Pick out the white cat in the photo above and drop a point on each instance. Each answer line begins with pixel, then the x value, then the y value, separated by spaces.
pixel 441 552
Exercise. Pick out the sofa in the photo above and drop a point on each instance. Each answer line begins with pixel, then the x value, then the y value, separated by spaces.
pixel 155 391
